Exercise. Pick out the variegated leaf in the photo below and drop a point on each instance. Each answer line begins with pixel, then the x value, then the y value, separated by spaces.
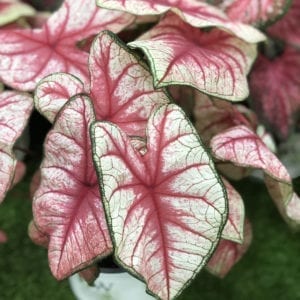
pixel 28 55
pixel 38 237
pixel 234 227
pixel 15 109
pixel 196 13
pixel 255 12
pixel 213 62
pixel 54 91
pixel 172 206
pixel 67 206
pixel 212 116
pixel 243 147
pixel 228 253
pixel 275 90
pixel 288 28
pixel 121 85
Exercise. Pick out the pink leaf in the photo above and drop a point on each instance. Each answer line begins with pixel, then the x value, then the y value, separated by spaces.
pixel 27 55
pixel 54 91
pixel 15 109
pixel 234 227
pixel 11 10
pixel 212 116
pixel 3 237
pixel 242 147
pixel 121 85
pixel 214 62
pixel 228 253
pixel 286 200
pixel 20 171
pixel 35 182
pixel 172 206
pixel 196 13
pixel 256 12
pixel 67 205
pixel 38 237
pixel 288 28
pixel 275 89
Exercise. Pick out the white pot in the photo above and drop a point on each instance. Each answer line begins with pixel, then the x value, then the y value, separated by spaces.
pixel 110 286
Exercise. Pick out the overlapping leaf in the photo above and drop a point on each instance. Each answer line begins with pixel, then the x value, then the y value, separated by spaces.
pixel 15 109
pixel 243 147
pixel 214 62
pixel 121 87
pixel 212 116
pixel 234 227
pixel 228 253
pixel 54 91
pixel 11 10
pixel 288 28
pixel 27 55
pixel 67 205
pixel 256 12
pixel 166 207
pixel 275 90
pixel 196 13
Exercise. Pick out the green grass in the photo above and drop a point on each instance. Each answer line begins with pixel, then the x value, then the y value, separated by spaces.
pixel 269 270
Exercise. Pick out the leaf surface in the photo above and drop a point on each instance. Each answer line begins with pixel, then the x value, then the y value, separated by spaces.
pixel 275 90
pixel 234 227
pixel 28 55
pixel 166 207
pixel 243 147
pixel 256 12
pixel 213 62
pixel 121 85
pixel 67 205
pixel 15 109
pixel 288 28
pixel 54 91
pixel 196 13
pixel 212 116
pixel 228 253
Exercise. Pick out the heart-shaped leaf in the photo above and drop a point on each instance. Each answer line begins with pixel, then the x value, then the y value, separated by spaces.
pixel 67 205
pixel 11 10
pixel 234 227
pixel 15 109
pixel 256 12
pixel 228 253
pixel 243 147
pixel 196 13
pixel 275 90
pixel 166 207
pixel 213 62
pixel 27 55
pixel 288 28
pixel 54 91
pixel 121 87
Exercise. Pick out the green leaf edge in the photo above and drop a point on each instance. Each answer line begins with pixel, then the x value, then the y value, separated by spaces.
pixel 108 217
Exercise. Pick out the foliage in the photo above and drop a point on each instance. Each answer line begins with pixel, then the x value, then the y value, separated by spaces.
pixel 144 135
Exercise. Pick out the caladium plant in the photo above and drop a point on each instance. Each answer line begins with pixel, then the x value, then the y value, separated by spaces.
pixel 145 136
